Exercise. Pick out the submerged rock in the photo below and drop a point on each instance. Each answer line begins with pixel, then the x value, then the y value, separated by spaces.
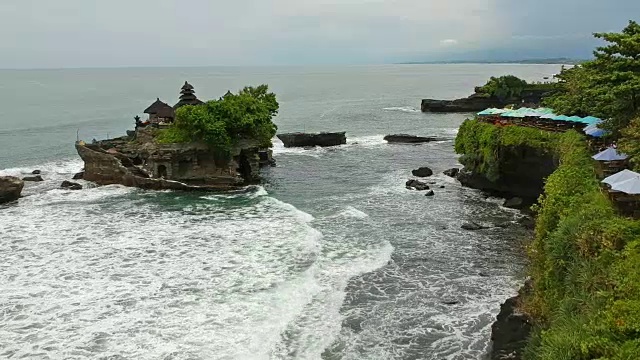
pixel 452 172
pixel 323 139
pixel 410 139
pixel 36 172
pixel 416 184
pixel 514 203
pixel 473 226
pixel 430 193
pixel 70 185
pixel 36 178
pixel 79 176
pixel 10 188
pixel 422 172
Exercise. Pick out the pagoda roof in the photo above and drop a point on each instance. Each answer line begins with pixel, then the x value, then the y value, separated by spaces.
pixel 156 107
pixel 187 86
pixel 188 101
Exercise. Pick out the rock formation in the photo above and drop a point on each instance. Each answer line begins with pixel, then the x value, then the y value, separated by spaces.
pixel 511 330
pixel 417 185
pixel 452 172
pixel 10 188
pixel 323 139
pixel 523 170
pixel 410 139
pixel 70 185
pixel 143 163
pixel 478 102
pixel 36 178
pixel 422 172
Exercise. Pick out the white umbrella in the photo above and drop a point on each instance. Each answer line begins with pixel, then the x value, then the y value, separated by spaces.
pixel 610 155
pixel 631 186
pixel 620 176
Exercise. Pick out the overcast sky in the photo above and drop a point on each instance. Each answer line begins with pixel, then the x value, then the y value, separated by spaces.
pixel 106 33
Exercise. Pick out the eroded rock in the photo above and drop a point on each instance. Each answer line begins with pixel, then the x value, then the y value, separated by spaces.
pixel 10 188
pixel 70 185
pixel 323 139
pixel 422 172
pixel 36 178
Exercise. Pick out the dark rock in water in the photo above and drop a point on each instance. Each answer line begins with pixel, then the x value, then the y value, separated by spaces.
pixel 502 225
pixel 510 332
pixel 452 172
pixel 36 172
pixel 527 222
pixel 10 188
pixel 514 203
pixel 482 274
pixel 441 186
pixel 323 139
pixel 418 185
pixel 266 158
pixel 79 176
pixel 430 193
pixel 70 185
pixel 410 139
pixel 451 302
pixel 36 178
pixel 473 226
pixel 422 172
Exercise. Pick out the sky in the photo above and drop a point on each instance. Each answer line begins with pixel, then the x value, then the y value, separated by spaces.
pixel 117 33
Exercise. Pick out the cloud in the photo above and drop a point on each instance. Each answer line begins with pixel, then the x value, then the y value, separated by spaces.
pixel 78 33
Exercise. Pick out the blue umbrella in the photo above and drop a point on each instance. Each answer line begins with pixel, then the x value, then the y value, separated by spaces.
pixel 610 154
pixel 595 132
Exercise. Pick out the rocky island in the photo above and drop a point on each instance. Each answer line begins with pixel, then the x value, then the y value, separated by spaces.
pixel 190 146
pixel 496 93
pixel 323 139
pixel 10 188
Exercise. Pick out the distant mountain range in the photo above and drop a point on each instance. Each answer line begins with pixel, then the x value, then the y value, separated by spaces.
pixel 567 61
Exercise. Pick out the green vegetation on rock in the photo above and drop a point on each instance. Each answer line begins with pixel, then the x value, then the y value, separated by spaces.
pixel 481 144
pixel 509 87
pixel 222 123
pixel 584 257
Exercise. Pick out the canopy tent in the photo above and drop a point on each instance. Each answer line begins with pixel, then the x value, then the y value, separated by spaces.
pixel 491 111
pixel 591 120
pixel 623 175
pixel 610 154
pixel 548 116
pixel 595 132
pixel 561 118
pixel 577 119
pixel 630 186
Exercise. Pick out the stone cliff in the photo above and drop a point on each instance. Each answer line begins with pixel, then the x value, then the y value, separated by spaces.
pixel 522 170
pixel 478 102
pixel 141 162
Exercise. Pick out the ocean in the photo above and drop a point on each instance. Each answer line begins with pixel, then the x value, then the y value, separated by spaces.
pixel 330 258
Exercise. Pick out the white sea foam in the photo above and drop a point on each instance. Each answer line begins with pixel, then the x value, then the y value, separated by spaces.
pixel 352 212
pixel 111 271
pixel 406 109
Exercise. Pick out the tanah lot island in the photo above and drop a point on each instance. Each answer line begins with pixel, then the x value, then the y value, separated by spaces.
pixel 561 156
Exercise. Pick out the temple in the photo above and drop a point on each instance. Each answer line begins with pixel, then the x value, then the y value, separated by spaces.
pixel 187 96
pixel 161 113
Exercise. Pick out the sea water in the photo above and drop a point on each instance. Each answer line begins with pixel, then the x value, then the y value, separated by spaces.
pixel 330 258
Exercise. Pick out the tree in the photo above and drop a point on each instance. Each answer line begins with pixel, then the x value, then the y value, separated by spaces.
pixel 630 141
pixel 608 86
pixel 504 87
pixel 222 123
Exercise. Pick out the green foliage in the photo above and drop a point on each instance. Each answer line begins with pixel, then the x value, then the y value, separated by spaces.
pixel 503 87
pixel 584 266
pixel 584 256
pixel 222 123
pixel 481 144
pixel 630 142
pixel 608 86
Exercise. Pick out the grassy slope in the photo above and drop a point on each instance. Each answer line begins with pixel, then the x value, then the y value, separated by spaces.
pixel 585 259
